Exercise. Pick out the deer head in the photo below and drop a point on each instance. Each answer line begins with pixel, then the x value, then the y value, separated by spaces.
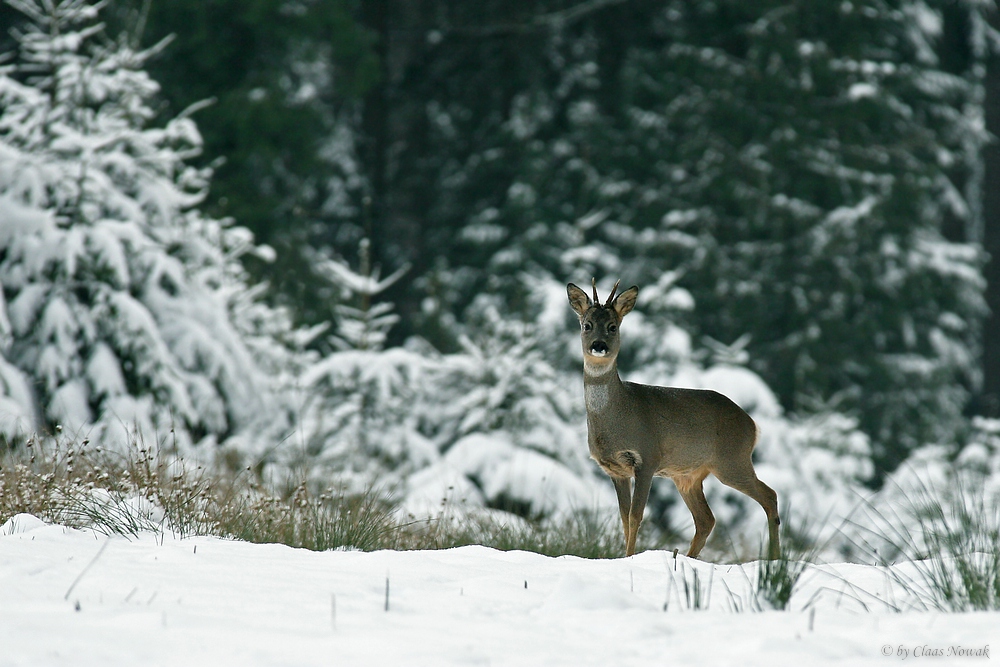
pixel 599 324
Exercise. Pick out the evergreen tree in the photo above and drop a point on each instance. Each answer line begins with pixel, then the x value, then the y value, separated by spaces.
pixel 508 425
pixel 807 147
pixel 17 406
pixel 362 418
pixel 366 324
pixel 128 308
pixel 279 84
pixel 786 163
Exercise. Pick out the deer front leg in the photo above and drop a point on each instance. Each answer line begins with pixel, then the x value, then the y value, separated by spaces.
pixel 623 487
pixel 640 494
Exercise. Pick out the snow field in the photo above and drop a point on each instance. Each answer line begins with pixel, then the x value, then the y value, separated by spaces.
pixel 157 600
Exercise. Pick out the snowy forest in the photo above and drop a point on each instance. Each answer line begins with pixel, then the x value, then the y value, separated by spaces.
pixel 331 240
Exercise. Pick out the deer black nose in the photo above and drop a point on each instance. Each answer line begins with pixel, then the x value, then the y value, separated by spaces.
pixel 599 347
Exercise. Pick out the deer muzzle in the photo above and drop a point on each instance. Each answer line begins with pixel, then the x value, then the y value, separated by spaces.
pixel 599 348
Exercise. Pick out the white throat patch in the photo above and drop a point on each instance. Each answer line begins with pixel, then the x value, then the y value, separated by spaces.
pixel 597 370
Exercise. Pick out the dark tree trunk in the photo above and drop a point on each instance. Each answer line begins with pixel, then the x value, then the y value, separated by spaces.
pixel 375 120
pixel 990 400
pixel 395 219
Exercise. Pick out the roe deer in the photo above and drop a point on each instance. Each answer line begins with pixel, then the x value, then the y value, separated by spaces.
pixel 641 431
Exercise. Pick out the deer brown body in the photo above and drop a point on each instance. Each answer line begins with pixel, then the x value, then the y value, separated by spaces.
pixel 637 432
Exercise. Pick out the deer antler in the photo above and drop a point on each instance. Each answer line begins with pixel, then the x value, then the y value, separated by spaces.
pixel 611 297
pixel 593 285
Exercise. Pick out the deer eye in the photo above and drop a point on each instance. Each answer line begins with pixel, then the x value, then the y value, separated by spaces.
pixel 612 328
pixel 587 326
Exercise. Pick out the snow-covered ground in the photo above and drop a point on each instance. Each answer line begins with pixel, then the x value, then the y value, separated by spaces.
pixel 70 597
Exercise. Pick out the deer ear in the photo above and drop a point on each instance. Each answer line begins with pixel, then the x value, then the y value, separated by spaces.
pixel 578 299
pixel 625 302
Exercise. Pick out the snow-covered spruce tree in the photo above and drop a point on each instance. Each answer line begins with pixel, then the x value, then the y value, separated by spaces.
pixel 806 146
pixel 553 178
pixel 128 309
pixel 17 406
pixel 362 421
pixel 789 161
pixel 493 425
pixel 509 425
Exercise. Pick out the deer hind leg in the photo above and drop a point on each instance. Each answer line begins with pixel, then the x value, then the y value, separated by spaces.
pixel 693 494
pixel 744 480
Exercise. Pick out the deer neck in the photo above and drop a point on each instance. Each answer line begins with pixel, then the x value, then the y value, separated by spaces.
pixel 600 384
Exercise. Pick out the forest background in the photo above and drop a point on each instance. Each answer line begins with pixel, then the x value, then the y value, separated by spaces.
pixel 333 237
